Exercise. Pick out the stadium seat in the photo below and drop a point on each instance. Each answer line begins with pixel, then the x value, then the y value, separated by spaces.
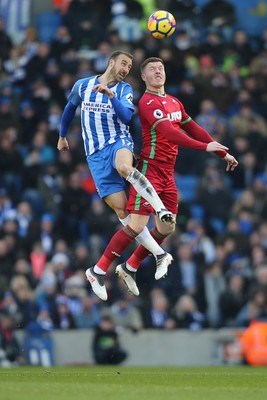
pixel 39 351
pixel 197 211
pixel 218 225
pixel 47 24
pixel 187 185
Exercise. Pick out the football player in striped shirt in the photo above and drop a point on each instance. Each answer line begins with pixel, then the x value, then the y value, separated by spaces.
pixel 106 110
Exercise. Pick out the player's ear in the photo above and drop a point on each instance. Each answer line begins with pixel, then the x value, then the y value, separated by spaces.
pixel 143 77
pixel 111 63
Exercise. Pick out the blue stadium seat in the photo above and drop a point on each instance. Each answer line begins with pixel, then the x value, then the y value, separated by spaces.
pixel 197 211
pixel 187 185
pixel 218 225
pixel 47 24
pixel 39 351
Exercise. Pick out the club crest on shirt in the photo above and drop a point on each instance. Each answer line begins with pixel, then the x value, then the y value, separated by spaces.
pixel 158 113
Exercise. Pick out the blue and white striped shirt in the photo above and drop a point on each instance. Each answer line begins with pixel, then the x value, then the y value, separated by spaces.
pixel 100 124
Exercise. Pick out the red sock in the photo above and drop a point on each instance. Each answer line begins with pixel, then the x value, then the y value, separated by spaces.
pixel 117 245
pixel 141 252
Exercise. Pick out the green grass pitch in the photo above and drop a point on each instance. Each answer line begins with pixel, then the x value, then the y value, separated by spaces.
pixel 133 383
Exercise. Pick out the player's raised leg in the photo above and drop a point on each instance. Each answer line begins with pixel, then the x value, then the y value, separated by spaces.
pixel 123 163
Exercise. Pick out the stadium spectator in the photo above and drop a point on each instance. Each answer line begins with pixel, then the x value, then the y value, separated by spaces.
pixel 44 320
pixel 5 42
pixel 101 60
pixel 124 314
pixel 36 66
pixel 30 43
pixel 8 119
pixel 214 286
pixel 232 299
pixel 254 308
pixel 187 315
pixel 61 43
pixel 214 47
pixel 90 315
pixel 219 16
pixel 156 311
pixel 63 318
pixel 126 19
pixel 15 67
pixel 253 342
pixel 106 347
pixel 38 259
pixel 11 163
pixel 10 350
pixel 73 207
pixel 23 294
pixel 50 185
pixel 247 122
pixel 216 192
pixel 187 14
pixel 83 20
pixel 8 306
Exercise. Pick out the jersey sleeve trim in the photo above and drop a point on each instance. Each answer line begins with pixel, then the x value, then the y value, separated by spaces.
pixel 157 122
pixel 186 120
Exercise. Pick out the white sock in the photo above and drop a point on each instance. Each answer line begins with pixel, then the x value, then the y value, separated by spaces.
pixel 149 242
pixel 125 220
pixel 145 189
pixel 99 271
pixel 146 240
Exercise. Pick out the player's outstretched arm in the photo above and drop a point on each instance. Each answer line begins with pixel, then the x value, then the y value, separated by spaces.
pixel 199 133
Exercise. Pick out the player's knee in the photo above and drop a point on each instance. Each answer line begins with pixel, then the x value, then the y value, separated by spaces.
pixel 121 212
pixel 168 230
pixel 137 228
pixel 171 229
pixel 124 169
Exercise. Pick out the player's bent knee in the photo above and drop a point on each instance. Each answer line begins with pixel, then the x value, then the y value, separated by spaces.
pixel 172 229
pixel 121 213
pixel 168 230
pixel 124 170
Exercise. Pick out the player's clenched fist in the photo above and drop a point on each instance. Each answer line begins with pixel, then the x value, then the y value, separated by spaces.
pixel 62 144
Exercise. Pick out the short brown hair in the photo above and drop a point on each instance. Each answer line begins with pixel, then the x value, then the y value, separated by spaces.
pixel 149 60
pixel 117 53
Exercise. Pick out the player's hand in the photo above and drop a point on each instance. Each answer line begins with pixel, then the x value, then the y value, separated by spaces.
pixel 62 144
pixel 216 146
pixel 100 88
pixel 231 162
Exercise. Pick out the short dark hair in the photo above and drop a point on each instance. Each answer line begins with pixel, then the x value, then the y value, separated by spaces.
pixel 149 60
pixel 117 53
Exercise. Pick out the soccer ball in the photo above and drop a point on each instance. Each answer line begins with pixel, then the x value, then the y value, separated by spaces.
pixel 161 24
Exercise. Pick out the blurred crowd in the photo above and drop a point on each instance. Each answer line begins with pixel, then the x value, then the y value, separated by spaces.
pixel 52 223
